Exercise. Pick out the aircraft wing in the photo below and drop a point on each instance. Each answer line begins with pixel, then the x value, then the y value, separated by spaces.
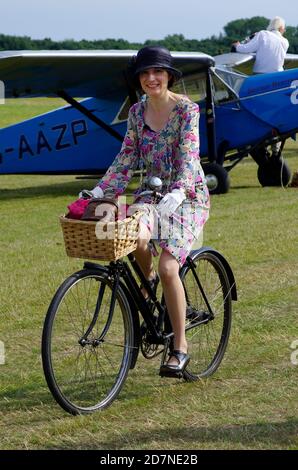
pixel 81 73
pixel 291 61
pixel 232 59
pixel 244 62
pixel 235 60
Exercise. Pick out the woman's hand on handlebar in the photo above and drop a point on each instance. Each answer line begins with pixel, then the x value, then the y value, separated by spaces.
pixel 96 192
pixel 170 202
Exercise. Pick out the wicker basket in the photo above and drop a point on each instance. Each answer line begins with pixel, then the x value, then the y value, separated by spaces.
pixel 101 241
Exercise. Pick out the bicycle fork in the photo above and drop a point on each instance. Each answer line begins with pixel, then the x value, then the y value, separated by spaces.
pixel 84 340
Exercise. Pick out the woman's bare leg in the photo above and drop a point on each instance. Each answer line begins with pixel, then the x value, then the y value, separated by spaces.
pixel 175 299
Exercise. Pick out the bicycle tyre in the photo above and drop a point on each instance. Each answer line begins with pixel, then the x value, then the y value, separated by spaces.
pixel 207 342
pixel 85 378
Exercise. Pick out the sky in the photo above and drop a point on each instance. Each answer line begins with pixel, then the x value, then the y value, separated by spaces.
pixel 133 20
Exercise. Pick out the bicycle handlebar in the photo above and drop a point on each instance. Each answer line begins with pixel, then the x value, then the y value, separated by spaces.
pixel 156 195
pixel 149 192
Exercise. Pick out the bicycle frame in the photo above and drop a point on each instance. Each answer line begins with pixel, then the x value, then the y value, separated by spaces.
pixel 120 270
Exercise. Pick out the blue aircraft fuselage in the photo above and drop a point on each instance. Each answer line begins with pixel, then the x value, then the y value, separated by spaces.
pixel 65 141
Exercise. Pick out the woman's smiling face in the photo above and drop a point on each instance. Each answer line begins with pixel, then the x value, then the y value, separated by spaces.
pixel 154 81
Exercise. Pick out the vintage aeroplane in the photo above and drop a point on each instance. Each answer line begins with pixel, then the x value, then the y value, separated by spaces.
pixel 240 114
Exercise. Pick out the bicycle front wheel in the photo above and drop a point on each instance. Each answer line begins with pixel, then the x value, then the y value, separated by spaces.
pixel 86 343
pixel 208 315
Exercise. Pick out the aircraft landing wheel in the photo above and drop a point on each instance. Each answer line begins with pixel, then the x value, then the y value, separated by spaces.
pixel 218 180
pixel 274 172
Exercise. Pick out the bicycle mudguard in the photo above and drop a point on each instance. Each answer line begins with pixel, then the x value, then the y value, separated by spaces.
pixel 99 267
pixel 208 249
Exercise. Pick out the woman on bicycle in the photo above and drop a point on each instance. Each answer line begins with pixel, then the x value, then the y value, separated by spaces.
pixel 162 137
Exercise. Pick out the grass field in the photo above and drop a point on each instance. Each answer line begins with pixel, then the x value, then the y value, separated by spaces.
pixel 250 403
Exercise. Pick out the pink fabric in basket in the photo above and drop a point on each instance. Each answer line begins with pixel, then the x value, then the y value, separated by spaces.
pixel 76 208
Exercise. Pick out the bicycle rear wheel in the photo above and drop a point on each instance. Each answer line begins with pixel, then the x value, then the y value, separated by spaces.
pixel 209 314
pixel 86 345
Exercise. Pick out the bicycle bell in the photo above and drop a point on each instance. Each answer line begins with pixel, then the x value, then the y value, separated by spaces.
pixel 155 183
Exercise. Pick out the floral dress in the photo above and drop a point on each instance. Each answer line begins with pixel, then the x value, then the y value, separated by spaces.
pixel 172 154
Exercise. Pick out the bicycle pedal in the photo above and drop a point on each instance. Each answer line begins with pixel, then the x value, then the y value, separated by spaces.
pixel 171 374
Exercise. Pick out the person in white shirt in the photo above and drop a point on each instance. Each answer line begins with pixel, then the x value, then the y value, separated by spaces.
pixel 269 45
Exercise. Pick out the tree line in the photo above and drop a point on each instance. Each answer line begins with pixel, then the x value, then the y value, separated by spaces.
pixel 234 30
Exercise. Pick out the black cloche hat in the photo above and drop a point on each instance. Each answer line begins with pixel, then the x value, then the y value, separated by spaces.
pixel 155 57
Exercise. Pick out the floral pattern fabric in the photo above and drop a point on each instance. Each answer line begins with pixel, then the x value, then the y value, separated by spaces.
pixel 172 154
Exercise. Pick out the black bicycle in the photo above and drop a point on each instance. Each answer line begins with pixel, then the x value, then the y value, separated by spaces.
pixel 99 320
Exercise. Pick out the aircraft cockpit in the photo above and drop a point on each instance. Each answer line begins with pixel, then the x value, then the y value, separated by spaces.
pixel 225 86
pixel 231 79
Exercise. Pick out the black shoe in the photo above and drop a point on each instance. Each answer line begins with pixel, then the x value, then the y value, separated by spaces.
pixel 175 370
